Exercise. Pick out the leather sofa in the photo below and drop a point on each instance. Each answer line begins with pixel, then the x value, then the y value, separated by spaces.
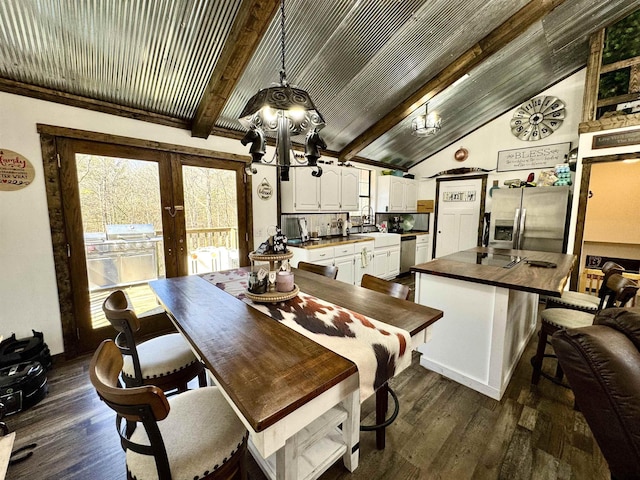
pixel 602 365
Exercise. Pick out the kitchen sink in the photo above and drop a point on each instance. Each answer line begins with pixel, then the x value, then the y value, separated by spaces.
pixel 381 239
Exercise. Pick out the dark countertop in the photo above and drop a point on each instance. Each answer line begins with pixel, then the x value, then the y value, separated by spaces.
pixel 522 276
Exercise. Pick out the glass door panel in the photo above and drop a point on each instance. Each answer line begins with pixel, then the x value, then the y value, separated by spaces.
pixel 211 218
pixel 122 229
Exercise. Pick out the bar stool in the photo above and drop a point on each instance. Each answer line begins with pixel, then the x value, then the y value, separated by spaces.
pixel 583 301
pixel 166 361
pixel 396 290
pixel 329 271
pixel 621 289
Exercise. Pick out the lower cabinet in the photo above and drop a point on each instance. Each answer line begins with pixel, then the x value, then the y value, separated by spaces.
pixel 422 248
pixel 352 259
pixel 386 262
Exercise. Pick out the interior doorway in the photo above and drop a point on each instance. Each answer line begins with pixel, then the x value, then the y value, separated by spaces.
pixel 459 212
pixel 132 214
pixel 607 208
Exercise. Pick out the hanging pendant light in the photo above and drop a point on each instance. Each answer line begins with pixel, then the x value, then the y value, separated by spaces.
pixel 427 124
pixel 286 111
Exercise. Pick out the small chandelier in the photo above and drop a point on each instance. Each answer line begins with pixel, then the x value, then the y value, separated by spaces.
pixel 427 124
pixel 287 111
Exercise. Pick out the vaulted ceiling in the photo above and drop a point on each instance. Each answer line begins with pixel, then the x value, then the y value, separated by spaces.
pixel 369 65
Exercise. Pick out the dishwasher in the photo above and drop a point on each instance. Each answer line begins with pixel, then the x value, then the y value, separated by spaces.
pixel 407 252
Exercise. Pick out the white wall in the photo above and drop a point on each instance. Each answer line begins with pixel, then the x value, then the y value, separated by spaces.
pixel 485 143
pixel 28 292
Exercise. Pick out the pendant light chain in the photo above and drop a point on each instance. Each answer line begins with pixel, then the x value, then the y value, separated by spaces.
pixel 283 74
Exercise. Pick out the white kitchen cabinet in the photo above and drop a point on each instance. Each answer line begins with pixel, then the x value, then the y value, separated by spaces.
pixel 330 189
pixel 336 190
pixel 363 259
pixel 397 194
pixel 386 262
pixel 349 189
pixel 343 259
pixel 422 248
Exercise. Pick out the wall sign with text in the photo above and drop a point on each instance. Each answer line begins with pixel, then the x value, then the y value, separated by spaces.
pixel 16 171
pixel 533 157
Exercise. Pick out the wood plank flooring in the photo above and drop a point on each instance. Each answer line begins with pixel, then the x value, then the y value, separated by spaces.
pixel 444 431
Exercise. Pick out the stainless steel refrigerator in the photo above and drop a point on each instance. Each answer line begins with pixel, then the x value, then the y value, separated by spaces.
pixel 533 218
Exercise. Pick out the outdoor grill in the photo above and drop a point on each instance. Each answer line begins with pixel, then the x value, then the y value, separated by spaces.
pixel 125 255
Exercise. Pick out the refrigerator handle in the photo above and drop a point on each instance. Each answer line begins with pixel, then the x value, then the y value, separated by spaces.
pixel 523 216
pixel 515 234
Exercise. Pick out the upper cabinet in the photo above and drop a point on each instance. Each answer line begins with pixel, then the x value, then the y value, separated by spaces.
pixel 397 194
pixel 336 190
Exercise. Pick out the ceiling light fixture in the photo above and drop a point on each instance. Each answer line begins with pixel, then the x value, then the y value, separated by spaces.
pixel 427 124
pixel 286 111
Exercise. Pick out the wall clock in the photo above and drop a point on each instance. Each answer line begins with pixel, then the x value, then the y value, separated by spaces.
pixel 537 118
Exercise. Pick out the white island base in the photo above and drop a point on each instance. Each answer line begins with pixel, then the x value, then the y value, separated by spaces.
pixel 482 334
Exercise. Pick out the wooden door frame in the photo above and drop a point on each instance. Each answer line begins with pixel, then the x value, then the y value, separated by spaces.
pixel 50 142
pixel 587 162
pixel 483 193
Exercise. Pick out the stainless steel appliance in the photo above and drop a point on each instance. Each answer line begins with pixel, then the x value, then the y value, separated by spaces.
pixel 407 252
pixel 124 255
pixel 533 218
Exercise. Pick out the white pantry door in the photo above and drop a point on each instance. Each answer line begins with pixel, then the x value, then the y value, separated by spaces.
pixel 458 217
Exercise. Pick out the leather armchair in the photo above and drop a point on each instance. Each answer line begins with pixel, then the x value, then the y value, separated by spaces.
pixel 602 365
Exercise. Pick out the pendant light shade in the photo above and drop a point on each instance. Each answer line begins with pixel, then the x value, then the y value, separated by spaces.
pixel 427 124
pixel 287 111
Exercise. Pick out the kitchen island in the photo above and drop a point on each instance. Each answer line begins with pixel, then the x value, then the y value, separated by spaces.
pixel 490 298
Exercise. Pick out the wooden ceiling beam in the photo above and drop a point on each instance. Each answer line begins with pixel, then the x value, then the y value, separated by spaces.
pixel 511 29
pixel 249 26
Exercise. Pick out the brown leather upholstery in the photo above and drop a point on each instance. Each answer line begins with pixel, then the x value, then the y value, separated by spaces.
pixel 397 290
pixel 326 270
pixel 602 365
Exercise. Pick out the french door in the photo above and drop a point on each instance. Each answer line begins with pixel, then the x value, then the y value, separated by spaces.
pixel 133 215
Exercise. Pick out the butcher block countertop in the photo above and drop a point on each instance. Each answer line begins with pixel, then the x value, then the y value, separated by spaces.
pixel 332 242
pixel 522 276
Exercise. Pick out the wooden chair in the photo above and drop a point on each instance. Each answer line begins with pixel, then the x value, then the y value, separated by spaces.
pixel 397 290
pixel 166 361
pixel 554 319
pixel 584 300
pixel 326 270
pixel 194 435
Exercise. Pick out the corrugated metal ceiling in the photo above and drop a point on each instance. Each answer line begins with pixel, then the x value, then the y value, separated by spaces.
pixel 358 59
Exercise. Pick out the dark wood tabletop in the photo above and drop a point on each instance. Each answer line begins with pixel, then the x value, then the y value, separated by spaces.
pixel 267 369
pixel 522 276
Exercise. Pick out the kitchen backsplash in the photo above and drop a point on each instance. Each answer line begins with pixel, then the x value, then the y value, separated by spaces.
pixel 420 220
pixel 324 223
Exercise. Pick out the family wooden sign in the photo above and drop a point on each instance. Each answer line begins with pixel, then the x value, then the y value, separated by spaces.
pixel 16 171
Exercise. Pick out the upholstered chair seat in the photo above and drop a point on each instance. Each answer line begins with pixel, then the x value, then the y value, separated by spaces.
pixel 161 356
pixel 195 447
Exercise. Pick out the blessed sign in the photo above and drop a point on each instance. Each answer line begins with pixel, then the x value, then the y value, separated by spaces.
pixel 533 157
pixel 16 171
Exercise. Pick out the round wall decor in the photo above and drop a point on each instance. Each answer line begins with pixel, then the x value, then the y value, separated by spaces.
pixel 538 118
pixel 461 154
pixel 16 171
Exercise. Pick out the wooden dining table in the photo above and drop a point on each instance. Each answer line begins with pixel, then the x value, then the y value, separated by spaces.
pixel 285 387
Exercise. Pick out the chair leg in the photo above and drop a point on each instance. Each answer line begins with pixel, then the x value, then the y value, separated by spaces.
pixel 536 361
pixel 202 378
pixel 382 403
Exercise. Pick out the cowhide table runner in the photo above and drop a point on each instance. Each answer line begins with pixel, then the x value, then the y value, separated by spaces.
pixel 379 350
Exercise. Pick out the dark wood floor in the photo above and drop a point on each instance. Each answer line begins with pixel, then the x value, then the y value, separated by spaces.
pixel 444 431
